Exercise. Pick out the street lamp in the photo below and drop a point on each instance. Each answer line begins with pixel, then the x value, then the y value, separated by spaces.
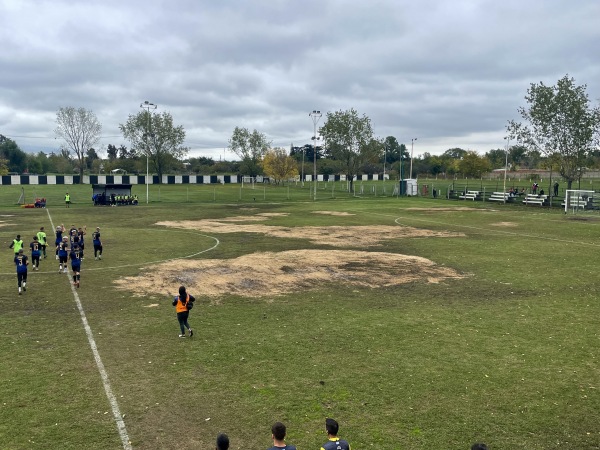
pixel 315 116
pixel 148 106
pixel 412 147
pixel 506 165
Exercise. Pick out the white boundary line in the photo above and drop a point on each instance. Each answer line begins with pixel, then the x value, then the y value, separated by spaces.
pixel 109 393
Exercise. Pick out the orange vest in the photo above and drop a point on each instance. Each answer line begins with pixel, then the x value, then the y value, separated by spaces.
pixel 182 306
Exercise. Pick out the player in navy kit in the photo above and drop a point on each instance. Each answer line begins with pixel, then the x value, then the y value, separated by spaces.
pixel 59 237
pixel 63 254
pixel 97 244
pixel 76 256
pixel 36 252
pixel 21 263
pixel 334 442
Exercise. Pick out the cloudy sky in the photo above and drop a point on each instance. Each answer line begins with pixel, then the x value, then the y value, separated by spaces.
pixel 449 73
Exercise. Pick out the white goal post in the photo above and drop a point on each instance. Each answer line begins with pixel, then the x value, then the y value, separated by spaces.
pixel 578 199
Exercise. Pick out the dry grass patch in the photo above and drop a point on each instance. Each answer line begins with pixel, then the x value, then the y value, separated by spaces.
pixel 337 236
pixel 268 274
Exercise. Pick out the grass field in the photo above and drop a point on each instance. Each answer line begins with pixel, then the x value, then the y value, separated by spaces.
pixel 505 353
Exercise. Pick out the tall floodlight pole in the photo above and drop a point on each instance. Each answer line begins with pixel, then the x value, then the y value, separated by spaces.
pixel 412 147
pixel 384 158
pixel 506 165
pixel 315 116
pixel 303 152
pixel 148 106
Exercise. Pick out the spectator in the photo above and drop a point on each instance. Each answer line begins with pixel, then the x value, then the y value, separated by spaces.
pixel 278 436
pixel 556 188
pixel 222 442
pixel 334 442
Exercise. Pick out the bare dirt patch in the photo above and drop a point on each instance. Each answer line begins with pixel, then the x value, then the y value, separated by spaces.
pixel 337 236
pixel 271 274
pixel 505 224
pixel 333 213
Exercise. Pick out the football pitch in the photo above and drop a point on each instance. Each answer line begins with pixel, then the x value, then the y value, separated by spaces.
pixel 415 323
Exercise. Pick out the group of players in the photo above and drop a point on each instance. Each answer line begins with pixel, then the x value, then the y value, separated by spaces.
pixel 69 246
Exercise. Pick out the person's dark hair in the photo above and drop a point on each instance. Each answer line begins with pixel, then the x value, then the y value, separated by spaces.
pixel 278 430
pixel 222 442
pixel 182 290
pixel 331 426
pixel 479 446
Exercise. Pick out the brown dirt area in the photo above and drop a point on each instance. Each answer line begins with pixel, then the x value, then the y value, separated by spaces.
pixel 337 236
pixel 271 274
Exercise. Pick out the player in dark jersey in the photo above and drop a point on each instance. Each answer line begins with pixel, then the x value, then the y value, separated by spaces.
pixel 278 435
pixel 63 255
pixel 97 244
pixel 21 262
pixel 334 442
pixel 76 256
pixel 36 252
pixel 80 233
pixel 59 237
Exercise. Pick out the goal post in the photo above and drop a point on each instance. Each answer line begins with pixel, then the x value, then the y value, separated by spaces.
pixel 578 199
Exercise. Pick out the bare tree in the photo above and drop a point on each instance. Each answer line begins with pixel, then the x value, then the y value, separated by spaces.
pixel 80 130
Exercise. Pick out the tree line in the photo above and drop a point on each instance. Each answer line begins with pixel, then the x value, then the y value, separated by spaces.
pixel 560 131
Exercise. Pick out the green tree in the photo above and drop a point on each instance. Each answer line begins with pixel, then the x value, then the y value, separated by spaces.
pixel 112 152
pixel 80 129
pixel 250 147
pixel 496 158
pixel 473 165
pixel 559 119
pixel 349 139
pixel 16 159
pixel 156 137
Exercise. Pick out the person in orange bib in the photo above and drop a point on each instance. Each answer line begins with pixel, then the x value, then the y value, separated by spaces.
pixel 183 303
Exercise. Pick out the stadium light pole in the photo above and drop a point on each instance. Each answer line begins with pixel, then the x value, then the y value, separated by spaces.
pixel 506 165
pixel 412 147
pixel 315 116
pixel 148 106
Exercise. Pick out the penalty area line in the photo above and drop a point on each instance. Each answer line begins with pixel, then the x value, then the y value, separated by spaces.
pixel 103 374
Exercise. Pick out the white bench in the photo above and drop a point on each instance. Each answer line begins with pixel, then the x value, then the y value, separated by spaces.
pixel 501 197
pixel 534 199
pixel 470 195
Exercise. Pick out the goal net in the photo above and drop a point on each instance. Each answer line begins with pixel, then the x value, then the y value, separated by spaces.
pixel 580 200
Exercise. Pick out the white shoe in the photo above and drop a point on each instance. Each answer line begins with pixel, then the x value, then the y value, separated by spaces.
pixel 96 258
pixel 181 335
pixel 100 257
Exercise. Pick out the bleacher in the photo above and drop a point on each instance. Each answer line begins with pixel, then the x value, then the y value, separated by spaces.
pixel 470 195
pixel 501 197
pixel 581 202
pixel 536 200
